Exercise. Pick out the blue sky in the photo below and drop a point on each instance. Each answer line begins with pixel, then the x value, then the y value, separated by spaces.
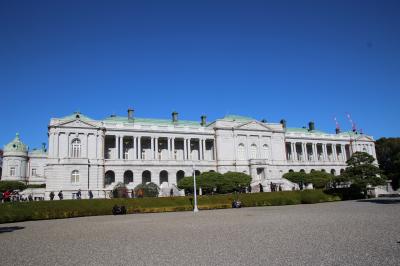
pixel 298 60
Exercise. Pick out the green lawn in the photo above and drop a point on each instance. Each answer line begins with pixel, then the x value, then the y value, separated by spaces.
pixel 38 210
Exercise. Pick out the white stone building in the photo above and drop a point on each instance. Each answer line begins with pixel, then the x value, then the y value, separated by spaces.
pixel 89 154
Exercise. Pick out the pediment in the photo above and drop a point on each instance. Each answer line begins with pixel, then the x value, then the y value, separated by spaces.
pixel 254 125
pixel 77 123
pixel 364 138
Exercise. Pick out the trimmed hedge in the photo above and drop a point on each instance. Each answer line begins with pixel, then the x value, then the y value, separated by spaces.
pixel 39 210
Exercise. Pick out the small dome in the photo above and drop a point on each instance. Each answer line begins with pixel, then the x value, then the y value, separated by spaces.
pixel 16 145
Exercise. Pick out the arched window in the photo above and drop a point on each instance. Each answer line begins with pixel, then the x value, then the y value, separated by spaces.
pixel 302 171
pixel 265 152
pixel 291 171
pixel 128 177
pixel 179 175
pixel 163 176
pixel 241 152
pixel 146 176
pixel 75 177
pixel 341 171
pixel 312 171
pixel 197 172
pixel 253 151
pixel 333 171
pixel 323 170
pixel 109 178
pixel 76 148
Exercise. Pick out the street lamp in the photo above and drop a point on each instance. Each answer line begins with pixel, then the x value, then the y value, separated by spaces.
pixel 195 209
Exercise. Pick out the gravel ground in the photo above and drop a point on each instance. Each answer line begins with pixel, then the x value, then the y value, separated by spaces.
pixel 339 233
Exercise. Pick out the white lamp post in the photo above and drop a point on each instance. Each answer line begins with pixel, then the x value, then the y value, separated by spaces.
pixel 195 209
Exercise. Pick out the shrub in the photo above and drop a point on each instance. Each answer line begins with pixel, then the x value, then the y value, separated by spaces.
pixel 36 186
pixel 208 181
pixel 39 210
pixel 11 185
pixel 120 191
pixel 147 190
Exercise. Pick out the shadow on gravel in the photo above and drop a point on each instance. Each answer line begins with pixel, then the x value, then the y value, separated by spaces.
pixel 382 201
pixel 10 229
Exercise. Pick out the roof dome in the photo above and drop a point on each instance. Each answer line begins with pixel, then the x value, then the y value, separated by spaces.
pixel 16 145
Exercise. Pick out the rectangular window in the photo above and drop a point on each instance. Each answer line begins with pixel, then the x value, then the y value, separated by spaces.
pixel 12 171
pixel 33 171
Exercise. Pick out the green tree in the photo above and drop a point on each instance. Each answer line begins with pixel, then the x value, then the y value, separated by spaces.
pixel 210 181
pixel 361 172
pixel 147 190
pixel 319 179
pixel 388 155
pixel 120 191
pixel 11 185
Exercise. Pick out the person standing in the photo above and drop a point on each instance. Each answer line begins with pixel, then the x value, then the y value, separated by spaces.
pixel 171 193
pixel 52 195
pixel 90 194
pixel 79 194
pixel 60 195
pixel 261 187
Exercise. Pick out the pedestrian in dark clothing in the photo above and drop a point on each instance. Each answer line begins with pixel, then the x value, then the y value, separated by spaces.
pixel 261 187
pixel 60 195
pixel 171 193
pixel 30 198
pixel 52 195
pixel 280 188
pixel 249 189
pixel 90 194
pixel 79 194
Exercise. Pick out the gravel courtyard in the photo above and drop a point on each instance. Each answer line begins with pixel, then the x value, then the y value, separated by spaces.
pixel 339 233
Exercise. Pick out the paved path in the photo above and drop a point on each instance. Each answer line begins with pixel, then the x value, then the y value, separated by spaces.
pixel 340 233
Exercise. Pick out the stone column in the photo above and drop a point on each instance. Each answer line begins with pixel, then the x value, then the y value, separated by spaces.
pixel 184 149
pixel 324 151
pixel 87 146
pixel 200 149
pixel 294 152
pixel 156 153
pixel 314 153
pixel 121 147
pixel 69 144
pixel 169 148
pixel 173 149
pixel 139 148
pixel 56 143
pixel 305 155
pixel 189 150
pixel 152 147
pixel 203 149
pixel 134 148
pixel 116 147
pixel 334 152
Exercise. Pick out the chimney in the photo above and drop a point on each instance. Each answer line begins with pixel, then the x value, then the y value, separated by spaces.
pixel 311 126
pixel 174 117
pixel 337 130
pixel 263 120
pixel 130 113
pixel 283 123
pixel 203 120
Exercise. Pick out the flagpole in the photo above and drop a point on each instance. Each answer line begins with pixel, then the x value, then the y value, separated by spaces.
pixel 195 209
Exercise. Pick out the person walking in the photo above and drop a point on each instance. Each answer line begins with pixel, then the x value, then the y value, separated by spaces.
pixel 171 193
pixel 51 195
pixel 79 194
pixel 90 194
pixel 261 187
pixel 60 195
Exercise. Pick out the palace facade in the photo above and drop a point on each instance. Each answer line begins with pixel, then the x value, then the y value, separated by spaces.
pixel 95 155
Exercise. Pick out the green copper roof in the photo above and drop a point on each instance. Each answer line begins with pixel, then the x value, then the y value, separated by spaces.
pixel 238 118
pixel 151 121
pixel 16 145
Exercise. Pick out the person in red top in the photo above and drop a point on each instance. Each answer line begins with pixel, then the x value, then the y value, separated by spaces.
pixel 6 196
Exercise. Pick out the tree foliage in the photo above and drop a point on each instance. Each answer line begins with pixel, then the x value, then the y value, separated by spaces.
pixel 319 179
pixel 147 190
pixel 362 172
pixel 11 185
pixel 120 191
pixel 215 182
pixel 388 155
